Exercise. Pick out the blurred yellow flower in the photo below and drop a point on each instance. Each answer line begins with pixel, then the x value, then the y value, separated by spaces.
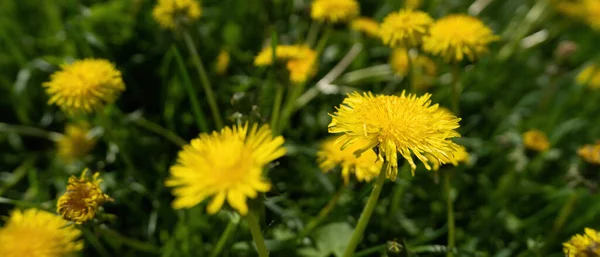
pixel 425 68
pixel 334 10
pixel 300 60
pixel 460 155
pixel 37 233
pixel 590 153
pixel 590 77
pixel 75 143
pixel 365 167
pixel 572 8
pixel 82 198
pixel 85 85
pixel 224 165
pixel 171 14
pixel 366 25
pixel 412 4
pixel 536 140
pixel 407 124
pixel 405 28
pixel 586 245
pixel 455 37
pixel 222 62
pixel 592 8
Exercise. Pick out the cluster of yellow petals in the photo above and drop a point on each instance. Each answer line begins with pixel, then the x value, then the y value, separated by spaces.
pixel 82 199
pixel 366 25
pixel 334 10
pixel 76 142
pixel 406 124
pixel 37 233
pixel 224 165
pixel 586 245
pixel 590 77
pixel 222 62
pixel 300 60
pixel 590 153
pixel 536 140
pixel 171 14
pixel 425 69
pixel 85 85
pixel 365 167
pixel 587 11
pixel 405 28
pixel 456 37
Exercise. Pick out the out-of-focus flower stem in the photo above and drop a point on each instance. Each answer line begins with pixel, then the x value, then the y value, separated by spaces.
pixel 278 87
pixel 322 214
pixel 535 16
pixel 449 213
pixel 233 222
pixel 254 227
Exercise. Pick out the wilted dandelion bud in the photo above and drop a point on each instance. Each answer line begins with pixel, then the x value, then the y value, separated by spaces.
pixel 75 143
pixel 82 199
pixel 171 14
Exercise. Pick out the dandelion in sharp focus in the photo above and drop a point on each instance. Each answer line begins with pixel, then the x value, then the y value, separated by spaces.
pixel 405 28
pixel 224 165
pixel 365 168
pixel 586 245
pixel 406 124
pixel 82 199
pixel 37 233
pixel 457 37
pixel 171 14
pixel 334 10
pixel 85 85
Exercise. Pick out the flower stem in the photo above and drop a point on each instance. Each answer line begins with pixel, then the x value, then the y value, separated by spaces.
pixel 409 72
pixel 210 95
pixel 261 247
pixel 365 216
pixel 323 41
pixel 29 131
pixel 223 239
pixel 279 88
pixel 322 214
pixel 455 90
pixel 450 213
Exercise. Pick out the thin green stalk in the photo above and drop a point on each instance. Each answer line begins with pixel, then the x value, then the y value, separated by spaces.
pixel 323 41
pixel 279 88
pixel 322 214
pixel 157 129
pixel 210 95
pixel 450 213
pixel 369 252
pixel 312 33
pixel 456 91
pixel 290 105
pixel 130 242
pixel 224 237
pixel 93 240
pixel 196 110
pixel 365 216
pixel 261 247
pixel 29 131
pixel 410 76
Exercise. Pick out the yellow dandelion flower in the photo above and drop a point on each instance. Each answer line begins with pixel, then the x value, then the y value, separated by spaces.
pixel 222 62
pixel 301 61
pixel 405 28
pixel 592 15
pixel 225 165
pixel 590 153
pixel 590 77
pixel 412 4
pixel 574 9
pixel 365 167
pixel 82 199
pixel 456 36
pixel 334 10
pixel 171 14
pixel 536 140
pixel 399 63
pixel 85 85
pixel 366 25
pixel 37 233
pixel 75 143
pixel 406 124
pixel 586 245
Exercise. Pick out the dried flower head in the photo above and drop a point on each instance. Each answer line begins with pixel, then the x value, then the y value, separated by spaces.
pixel 334 10
pixel 590 77
pixel 590 153
pixel 586 245
pixel 366 25
pixel 85 85
pixel 37 233
pixel 536 140
pixel 365 167
pixel 300 60
pixel 76 142
pixel 455 37
pixel 224 165
pixel 171 14
pixel 82 199
pixel 404 124
pixel 405 28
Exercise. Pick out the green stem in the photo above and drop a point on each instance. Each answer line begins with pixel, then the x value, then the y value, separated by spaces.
pixel 224 237
pixel 455 90
pixel 365 216
pixel 450 213
pixel 290 104
pixel 279 88
pixel 312 33
pixel 369 252
pixel 322 214
pixel 261 247
pixel 155 128
pixel 409 72
pixel 210 95
pixel 93 240
pixel 29 131
pixel 133 243
pixel 323 41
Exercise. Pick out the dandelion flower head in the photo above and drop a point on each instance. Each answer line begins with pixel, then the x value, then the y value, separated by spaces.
pixel 76 142
pixel 405 28
pixel 590 77
pixel 37 233
pixel 173 13
pixel 536 140
pixel 586 245
pixel 334 10
pixel 300 60
pixel 399 63
pixel 592 15
pixel 571 8
pixel 222 63
pixel 590 153
pixel 203 170
pixel 404 124
pixel 366 25
pixel 82 198
pixel 365 167
pixel 457 37
pixel 84 85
